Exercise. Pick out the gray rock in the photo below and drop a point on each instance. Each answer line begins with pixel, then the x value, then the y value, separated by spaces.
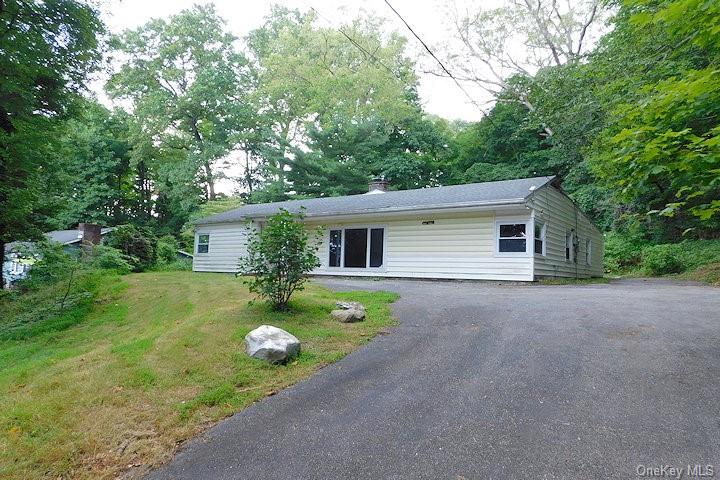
pixel 350 306
pixel 272 344
pixel 349 316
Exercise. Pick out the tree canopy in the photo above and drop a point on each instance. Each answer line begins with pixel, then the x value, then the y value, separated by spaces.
pixel 46 51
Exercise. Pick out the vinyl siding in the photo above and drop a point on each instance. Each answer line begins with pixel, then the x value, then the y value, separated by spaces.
pixel 560 215
pixel 455 246
pixel 228 242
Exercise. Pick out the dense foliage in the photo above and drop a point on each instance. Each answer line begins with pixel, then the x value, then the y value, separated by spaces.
pixel 60 290
pixel 138 244
pixel 279 258
pixel 46 49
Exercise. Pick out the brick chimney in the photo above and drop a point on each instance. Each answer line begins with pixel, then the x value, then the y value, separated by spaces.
pixel 89 234
pixel 378 185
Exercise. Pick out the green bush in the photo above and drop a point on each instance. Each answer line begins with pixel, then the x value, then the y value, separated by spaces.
pixel 623 251
pixel 138 244
pixel 109 258
pixel 52 265
pixel 663 259
pixel 167 249
pixel 696 253
pixel 279 259
pixel 179 264
pixel 59 291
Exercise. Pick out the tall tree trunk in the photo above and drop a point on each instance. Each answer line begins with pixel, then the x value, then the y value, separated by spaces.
pixel 143 186
pixel 209 177
pixel 248 172
pixel 210 180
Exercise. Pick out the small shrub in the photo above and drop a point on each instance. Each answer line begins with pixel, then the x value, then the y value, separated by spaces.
pixel 109 258
pixel 178 265
pixel 279 258
pixel 167 249
pixel 662 259
pixel 623 251
pixel 52 265
pixel 139 245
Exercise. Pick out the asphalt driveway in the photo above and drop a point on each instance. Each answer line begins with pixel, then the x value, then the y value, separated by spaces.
pixel 494 381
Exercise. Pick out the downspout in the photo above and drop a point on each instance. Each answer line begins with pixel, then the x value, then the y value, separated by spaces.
pixel 576 243
pixel 531 237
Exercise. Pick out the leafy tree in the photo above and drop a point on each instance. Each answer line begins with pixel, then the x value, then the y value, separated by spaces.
pixel 553 34
pixel 412 153
pixel 188 87
pixel 98 180
pixel 279 259
pixel 138 244
pixel 46 50
pixel 167 249
pixel 317 83
pixel 660 148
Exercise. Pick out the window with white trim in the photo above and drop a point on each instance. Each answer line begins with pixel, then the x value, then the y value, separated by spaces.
pixel 361 247
pixel 203 245
pixel 512 237
pixel 588 251
pixel 540 229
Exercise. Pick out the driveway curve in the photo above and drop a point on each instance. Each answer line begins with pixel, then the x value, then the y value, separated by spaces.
pixel 493 381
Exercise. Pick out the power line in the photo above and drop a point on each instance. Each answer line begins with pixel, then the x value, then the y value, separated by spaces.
pixel 449 74
pixel 357 45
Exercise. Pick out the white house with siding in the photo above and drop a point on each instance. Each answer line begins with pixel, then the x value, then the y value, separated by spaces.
pixel 520 230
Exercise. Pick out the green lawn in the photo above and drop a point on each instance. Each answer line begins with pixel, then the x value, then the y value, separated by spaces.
pixel 157 361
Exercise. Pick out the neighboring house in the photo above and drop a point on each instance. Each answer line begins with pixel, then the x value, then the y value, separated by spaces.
pixel 509 230
pixel 19 256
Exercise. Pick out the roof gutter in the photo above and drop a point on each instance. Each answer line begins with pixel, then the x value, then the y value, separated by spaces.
pixel 391 210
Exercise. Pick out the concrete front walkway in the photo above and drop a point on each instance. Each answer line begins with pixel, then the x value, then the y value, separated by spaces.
pixel 494 381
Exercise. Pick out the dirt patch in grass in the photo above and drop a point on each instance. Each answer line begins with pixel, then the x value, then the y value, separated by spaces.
pixel 153 367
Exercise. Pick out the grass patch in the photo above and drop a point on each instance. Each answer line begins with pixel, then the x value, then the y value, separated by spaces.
pixel 707 273
pixel 630 256
pixel 156 362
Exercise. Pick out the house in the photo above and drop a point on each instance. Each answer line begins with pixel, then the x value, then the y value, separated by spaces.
pixel 19 256
pixel 521 229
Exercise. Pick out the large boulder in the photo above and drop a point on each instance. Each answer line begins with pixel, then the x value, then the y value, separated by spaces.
pixel 272 344
pixel 349 312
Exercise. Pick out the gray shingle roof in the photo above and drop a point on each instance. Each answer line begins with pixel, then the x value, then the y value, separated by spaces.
pixel 70 236
pixel 487 193
pixel 65 237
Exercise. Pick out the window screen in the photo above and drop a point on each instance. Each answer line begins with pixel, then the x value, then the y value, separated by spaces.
pixel 356 247
pixel 512 238
pixel 335 248
pixel 203 244
pixel 376 247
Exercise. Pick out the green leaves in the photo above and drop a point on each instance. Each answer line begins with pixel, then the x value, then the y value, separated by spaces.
pixel 188 86
pixel 659 147
pixel 279 258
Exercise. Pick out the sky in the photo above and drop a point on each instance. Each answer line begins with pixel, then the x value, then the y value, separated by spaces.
pixel 440 96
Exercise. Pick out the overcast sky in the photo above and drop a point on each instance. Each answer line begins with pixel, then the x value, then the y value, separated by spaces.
pixel 440 96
